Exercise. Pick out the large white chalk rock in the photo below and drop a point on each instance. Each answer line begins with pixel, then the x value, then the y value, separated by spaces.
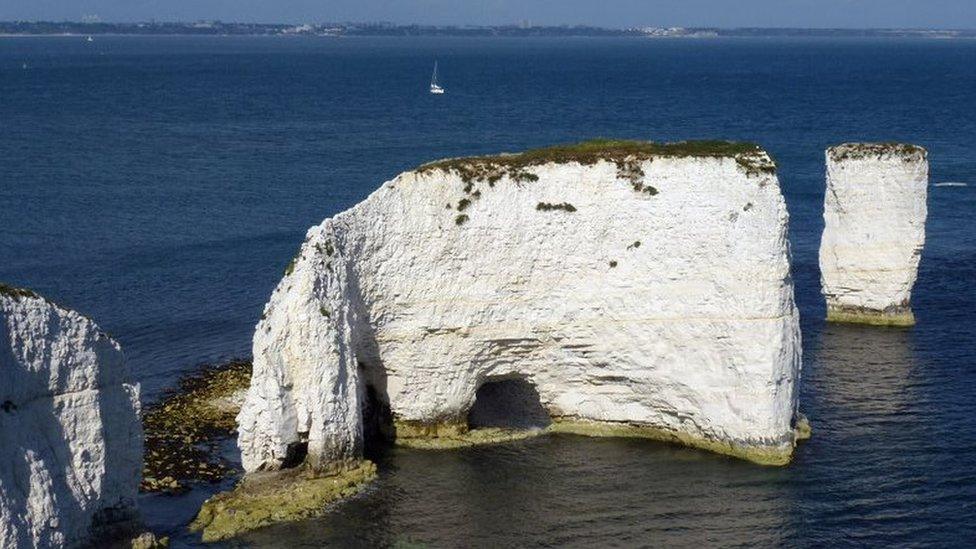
pixel 70 437
pixel 632 284
pixel 874 231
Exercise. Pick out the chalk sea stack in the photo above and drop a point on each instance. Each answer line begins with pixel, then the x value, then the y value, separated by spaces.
pixel 608 288
pixel 632 285
pixel 70 437
pixel 874 231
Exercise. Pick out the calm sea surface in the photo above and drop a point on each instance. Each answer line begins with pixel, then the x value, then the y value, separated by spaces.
pixel 160 185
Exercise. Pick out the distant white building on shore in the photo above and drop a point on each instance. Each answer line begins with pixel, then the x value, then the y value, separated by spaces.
pixel 676 32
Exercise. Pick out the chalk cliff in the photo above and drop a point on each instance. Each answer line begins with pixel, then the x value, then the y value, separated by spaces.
pixel 70 438
pixel 874 231
pixel 623 288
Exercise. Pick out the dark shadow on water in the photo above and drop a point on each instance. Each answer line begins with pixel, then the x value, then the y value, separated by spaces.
pixel 554 491
pixel 858 477
pixel 865 370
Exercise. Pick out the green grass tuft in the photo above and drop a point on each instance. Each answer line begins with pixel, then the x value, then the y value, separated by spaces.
pixel 290 267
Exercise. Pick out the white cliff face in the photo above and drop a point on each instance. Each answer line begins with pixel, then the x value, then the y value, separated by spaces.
pixel 874 231
pixel 672 310
pixel 70 437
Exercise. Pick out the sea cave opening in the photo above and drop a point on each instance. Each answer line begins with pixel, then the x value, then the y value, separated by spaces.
pixel 378 429
pixel 511 403
pixel 296 452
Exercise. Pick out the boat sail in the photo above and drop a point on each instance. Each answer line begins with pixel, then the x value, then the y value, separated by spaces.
pixel 435 88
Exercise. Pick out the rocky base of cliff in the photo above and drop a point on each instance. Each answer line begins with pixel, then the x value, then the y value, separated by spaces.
pixel 184 430
pixel 900 316
pixel 263 499
pixel 449 435
pixel 770 454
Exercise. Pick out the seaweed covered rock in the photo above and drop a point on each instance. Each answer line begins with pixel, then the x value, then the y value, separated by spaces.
pixel 266 498
pixel 874 231
pixel 70 438
pixel 186 428
pixel 622 288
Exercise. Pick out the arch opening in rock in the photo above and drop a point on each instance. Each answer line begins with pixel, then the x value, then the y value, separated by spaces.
pixel 511 403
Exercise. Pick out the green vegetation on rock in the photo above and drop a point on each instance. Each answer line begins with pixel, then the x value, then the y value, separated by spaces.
pixel 803 429
pixel 627 154
pixel 263 499
pixel 453 434
pixel 901 317
pixel 856 151
pixel 756 454
pixel 547 207
pixel 290 267
pixel 16 293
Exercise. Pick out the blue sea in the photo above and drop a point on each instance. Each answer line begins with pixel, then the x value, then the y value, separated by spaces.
pixel 161 184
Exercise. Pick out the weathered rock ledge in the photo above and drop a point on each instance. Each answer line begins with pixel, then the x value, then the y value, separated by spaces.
pixel 458 435
pixel 262 499
pixel 897 316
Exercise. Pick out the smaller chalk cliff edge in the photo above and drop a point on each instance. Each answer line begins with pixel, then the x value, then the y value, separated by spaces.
pixel 874 231
pixel 619 287
pixel 70 437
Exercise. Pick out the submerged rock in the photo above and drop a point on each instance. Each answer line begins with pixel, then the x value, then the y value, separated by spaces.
pixel 874 231
pixel 639 289
pixel 70 438
pixel 267 498
pixel 186 427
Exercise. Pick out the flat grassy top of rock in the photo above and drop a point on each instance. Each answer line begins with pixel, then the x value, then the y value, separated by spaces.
pixel 856 151
pixel 15 292
pixel 625 153
pixel 184 429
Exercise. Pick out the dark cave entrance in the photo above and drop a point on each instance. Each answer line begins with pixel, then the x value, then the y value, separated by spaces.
pixel 296 452
pixel 378 430
pixel 511 403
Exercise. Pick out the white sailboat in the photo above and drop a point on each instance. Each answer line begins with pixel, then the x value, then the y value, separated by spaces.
pixel 435 88
pixel 89 39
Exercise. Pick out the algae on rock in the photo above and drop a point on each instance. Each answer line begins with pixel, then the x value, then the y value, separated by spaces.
pixel 184 428
pixel 263 499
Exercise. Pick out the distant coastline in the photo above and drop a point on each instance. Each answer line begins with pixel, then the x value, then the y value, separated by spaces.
pixel 217 28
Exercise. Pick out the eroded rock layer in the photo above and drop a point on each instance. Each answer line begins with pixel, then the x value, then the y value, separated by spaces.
pixel 639 289
pixel 70 438
pixel 874 231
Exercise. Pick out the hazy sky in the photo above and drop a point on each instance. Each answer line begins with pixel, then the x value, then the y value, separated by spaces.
pixel 609 13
